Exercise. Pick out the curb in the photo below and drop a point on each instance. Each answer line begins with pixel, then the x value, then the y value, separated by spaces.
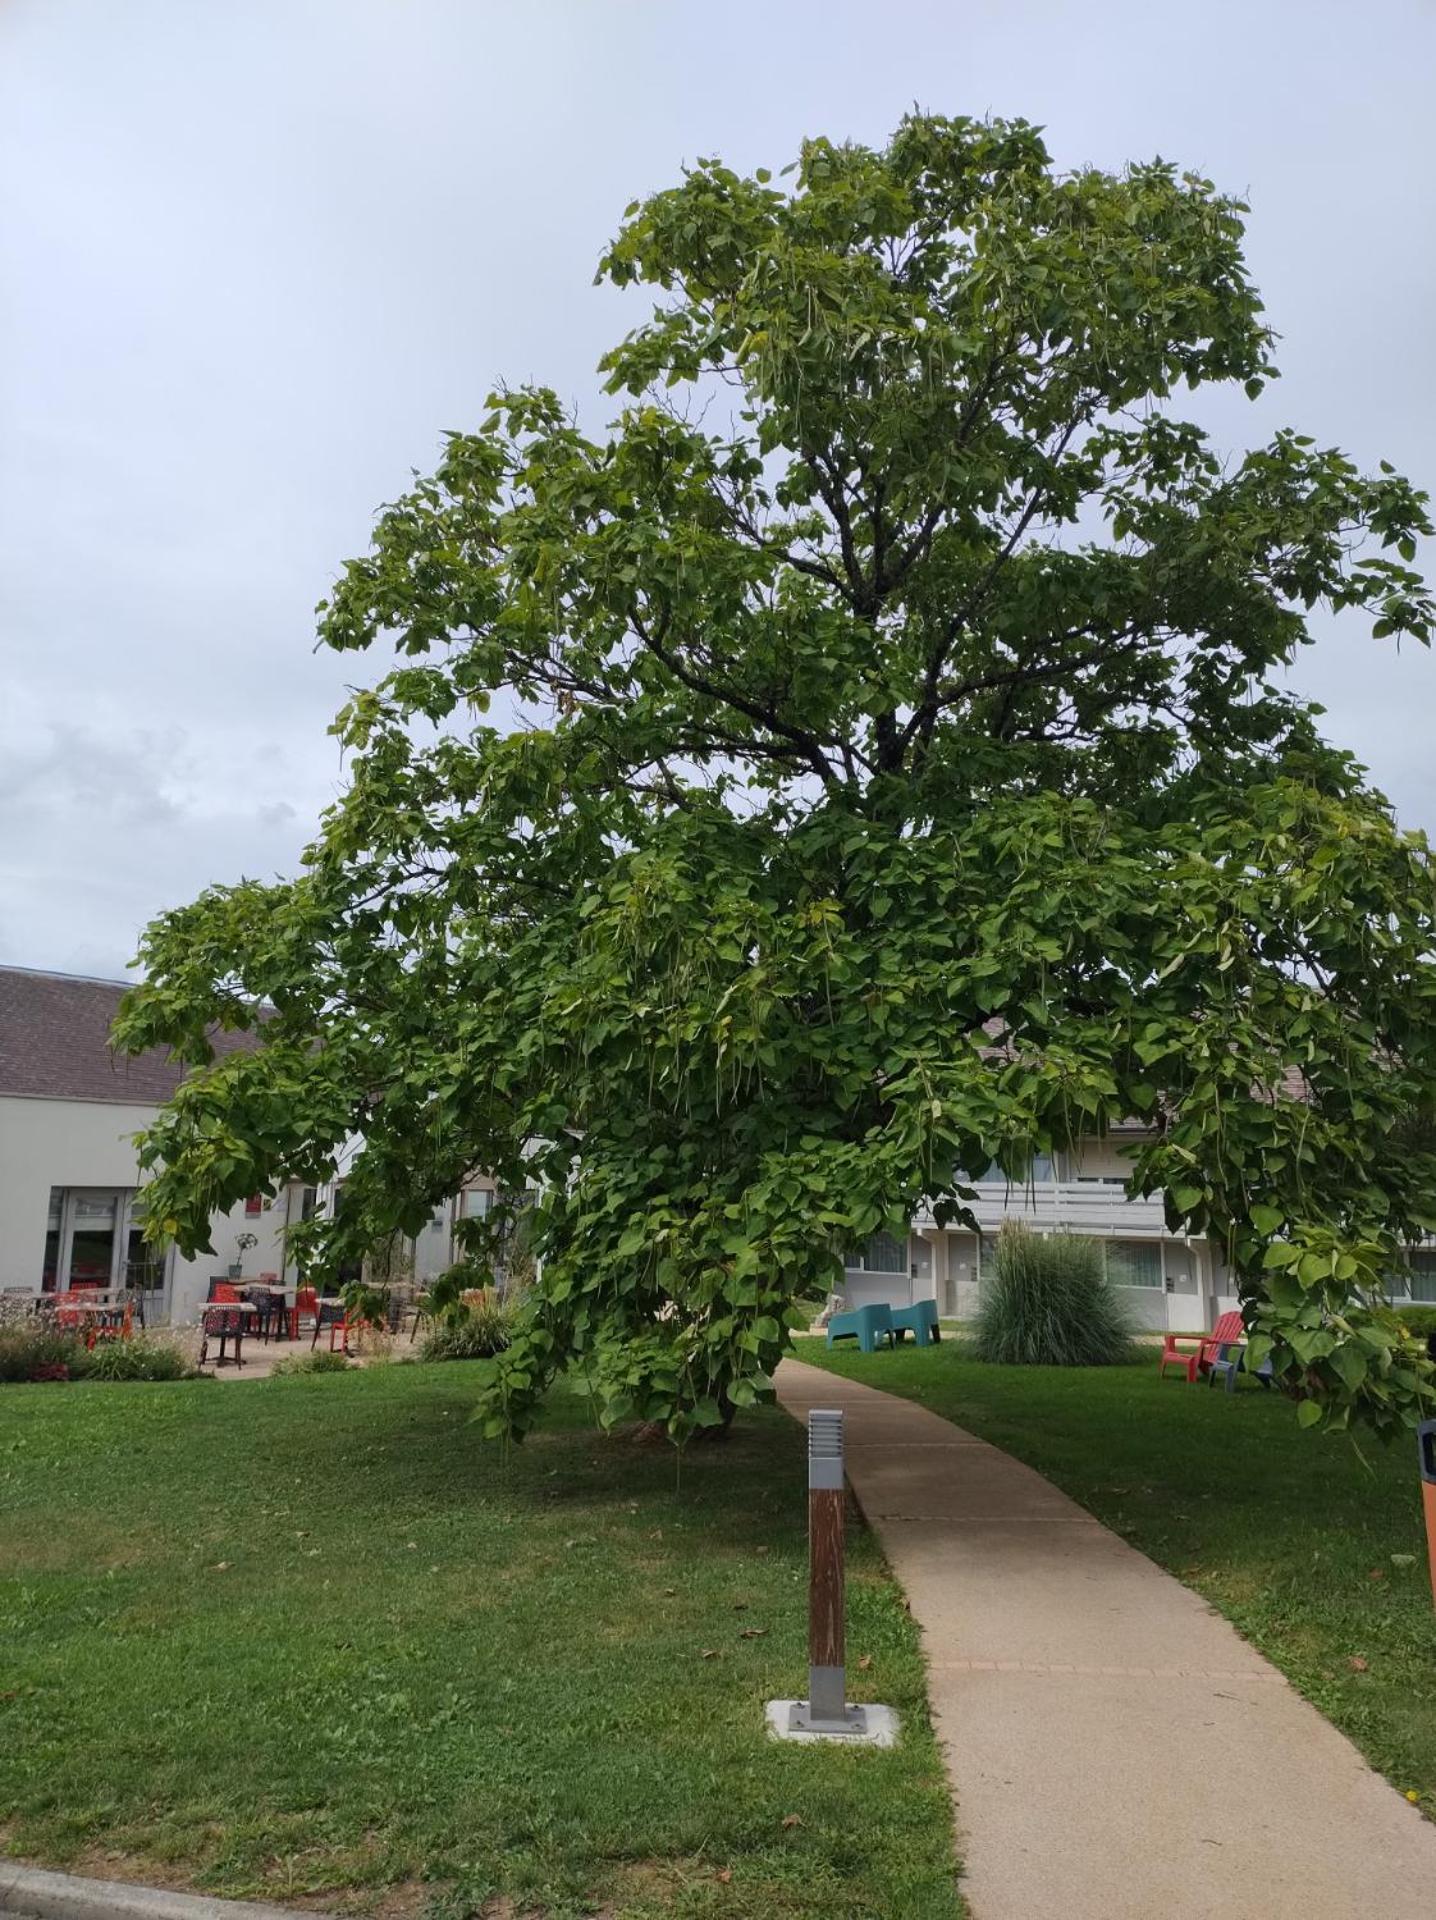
pixel 37 1895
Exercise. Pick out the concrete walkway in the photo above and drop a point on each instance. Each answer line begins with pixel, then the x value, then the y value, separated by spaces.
pixel 1116 1750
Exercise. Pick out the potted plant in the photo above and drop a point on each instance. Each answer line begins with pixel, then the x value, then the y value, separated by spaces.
pixel 243 1243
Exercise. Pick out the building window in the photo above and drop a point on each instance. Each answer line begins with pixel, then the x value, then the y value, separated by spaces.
pixel 881 1253
pixel 1422 1277
pixel 1134 1263
pixel 1041 1172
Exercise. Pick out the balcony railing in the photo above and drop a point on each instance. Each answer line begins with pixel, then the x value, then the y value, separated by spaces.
pixel 1084 1206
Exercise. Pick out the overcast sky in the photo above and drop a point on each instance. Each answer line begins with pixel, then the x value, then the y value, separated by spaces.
pixel 255 257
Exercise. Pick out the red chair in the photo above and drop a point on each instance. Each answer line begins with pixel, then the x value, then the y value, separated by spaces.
pixel 1179 1351
pixel 69 1318
pixel 306 1300
pixel 225 1294
pixel 330 1313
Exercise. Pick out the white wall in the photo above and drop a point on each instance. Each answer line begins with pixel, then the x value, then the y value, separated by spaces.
pixel 1101 1160
pixel 90 1143
pixel 56 1143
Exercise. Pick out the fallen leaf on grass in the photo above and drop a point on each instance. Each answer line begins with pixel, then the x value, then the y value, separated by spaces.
pixel 723 1875
pixel 1356 1663
pixel 792 1819
pixel 752 1633
pixel 221 1566
pixel 1403 1559
pixel 1412 1795
pixel 711 1653
pixel 865 1663
pixel 1377 1573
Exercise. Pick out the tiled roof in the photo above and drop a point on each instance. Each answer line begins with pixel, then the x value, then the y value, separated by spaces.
pixel 55 1042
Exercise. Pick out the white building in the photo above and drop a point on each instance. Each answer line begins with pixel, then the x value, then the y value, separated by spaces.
pixel 70 1212
pixel 1172 1282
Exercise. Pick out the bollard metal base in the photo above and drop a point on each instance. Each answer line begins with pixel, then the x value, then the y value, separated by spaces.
pixel 865 1726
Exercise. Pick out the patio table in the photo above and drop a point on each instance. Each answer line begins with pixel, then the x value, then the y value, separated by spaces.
pixel 244 1311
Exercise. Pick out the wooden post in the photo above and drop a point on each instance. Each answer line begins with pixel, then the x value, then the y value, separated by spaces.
pixel 1426 1456
pixel 825 1714
pixel 827 1678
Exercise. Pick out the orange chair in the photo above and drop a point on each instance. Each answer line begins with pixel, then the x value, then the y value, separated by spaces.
pixel 1193 1360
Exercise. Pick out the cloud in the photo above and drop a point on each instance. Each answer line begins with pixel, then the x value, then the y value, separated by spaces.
pixel 257 259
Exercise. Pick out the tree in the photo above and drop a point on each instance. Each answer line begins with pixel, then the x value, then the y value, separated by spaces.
pixel 894 779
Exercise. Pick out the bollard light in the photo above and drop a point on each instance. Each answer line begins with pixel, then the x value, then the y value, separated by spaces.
pixel 826 1714
pixel 826 1709
pixel 1426 1459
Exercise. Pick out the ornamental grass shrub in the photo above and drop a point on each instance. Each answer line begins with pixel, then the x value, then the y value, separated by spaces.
pixel 476 1331
pixel 1050 1304
pixel 132 1360
pixel 35 1350
pixel 30 1350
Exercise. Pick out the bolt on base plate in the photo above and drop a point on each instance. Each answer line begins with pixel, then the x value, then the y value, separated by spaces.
pixel 865 1726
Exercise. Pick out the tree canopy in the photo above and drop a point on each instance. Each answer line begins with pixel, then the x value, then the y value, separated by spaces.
pixel 866 760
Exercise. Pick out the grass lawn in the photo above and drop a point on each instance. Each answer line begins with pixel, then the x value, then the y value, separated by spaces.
pixel 1316 1554
pixel 314 1637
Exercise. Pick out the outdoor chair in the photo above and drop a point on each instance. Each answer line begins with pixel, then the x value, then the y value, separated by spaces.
pixel 273 1322
pixel 67 1317
pixel 117 1323
pixel 225 1323
pixel 1193 1360
pixel 306 1302
pixel 920 1320
pixel 867 1325
pixel 1229 1360
pixel 330 1313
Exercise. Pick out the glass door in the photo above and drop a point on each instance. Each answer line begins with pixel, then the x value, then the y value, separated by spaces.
pixel 94 1238
pixel 145 1266
pixel 90 1246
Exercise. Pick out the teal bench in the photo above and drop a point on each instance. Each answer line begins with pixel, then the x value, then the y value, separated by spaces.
pixel 920 1320
pixel 869 1326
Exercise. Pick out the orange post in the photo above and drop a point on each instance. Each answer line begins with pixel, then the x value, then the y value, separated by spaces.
pixel 1426 1444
